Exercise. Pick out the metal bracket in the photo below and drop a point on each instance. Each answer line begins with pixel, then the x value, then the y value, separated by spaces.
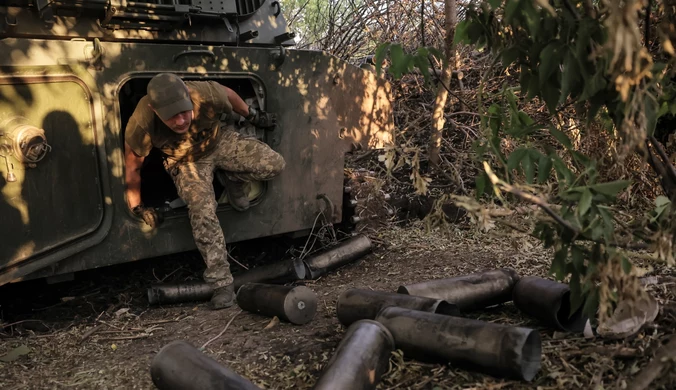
pixel 278 57
pixel 97 55
pixel 248 35
pixel 279 8
pixel 5 152
pixel 281 38
pixel 328 203
pixel 228 25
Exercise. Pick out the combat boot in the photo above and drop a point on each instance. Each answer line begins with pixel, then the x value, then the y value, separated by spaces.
pixel 223 297
pixel 238 194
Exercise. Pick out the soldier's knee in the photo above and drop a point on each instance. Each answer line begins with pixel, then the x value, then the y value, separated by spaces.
pixel 278 165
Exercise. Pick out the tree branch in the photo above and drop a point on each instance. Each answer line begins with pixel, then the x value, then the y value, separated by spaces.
pixel 528 197
pixel 671 171
pixel 663 358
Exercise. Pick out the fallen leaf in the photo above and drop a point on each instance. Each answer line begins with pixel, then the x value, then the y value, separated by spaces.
pixel 113 347
pixel 15 353
pixel 629 318
pixel 588 332
pixel 272 323
pixel 121 312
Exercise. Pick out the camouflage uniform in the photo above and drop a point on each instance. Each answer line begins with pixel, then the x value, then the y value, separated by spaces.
pixel 244 159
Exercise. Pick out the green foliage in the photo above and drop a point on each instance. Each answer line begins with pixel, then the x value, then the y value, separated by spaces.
pixel 401 62
pixel 558 60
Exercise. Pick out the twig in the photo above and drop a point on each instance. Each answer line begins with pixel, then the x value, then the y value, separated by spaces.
pixel 530 198
pixel 223 331
pixel 237 262
pixel 88 333
pixel 663 358
pixel 111 325
pixel 364 156
pixel 170 273
pixel 461 100
pixel 159 322
pixel 462 113
pixel 660 150
pixel 21 322
pixel 646 32
pixel 141 336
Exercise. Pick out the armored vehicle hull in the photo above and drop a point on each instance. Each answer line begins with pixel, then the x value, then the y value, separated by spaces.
pixel 68 84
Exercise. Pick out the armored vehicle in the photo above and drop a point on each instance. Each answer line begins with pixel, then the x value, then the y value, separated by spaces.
pixel 71 74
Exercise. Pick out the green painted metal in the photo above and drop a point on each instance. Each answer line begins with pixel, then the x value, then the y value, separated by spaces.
pixel 81 92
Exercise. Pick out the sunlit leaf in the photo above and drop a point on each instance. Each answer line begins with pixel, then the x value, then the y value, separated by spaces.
pixel 381 51
pixel 400 60
pixel 461 35
pixel 422 64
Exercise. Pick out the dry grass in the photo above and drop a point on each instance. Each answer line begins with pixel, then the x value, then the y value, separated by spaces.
pixel 113 349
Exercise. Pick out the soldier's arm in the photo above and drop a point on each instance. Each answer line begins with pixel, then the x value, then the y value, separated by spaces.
pixel 132 169
pixel 238 105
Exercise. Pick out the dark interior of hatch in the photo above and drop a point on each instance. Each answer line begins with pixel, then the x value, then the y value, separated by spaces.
pixel 157 187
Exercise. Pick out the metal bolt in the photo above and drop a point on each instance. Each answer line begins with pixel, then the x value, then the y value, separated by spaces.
pixel 301 305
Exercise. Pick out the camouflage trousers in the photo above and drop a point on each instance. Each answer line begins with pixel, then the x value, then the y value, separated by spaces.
pixel 242 159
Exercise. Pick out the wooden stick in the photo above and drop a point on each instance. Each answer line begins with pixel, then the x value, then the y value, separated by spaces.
pixel 220 334
pixel 665 354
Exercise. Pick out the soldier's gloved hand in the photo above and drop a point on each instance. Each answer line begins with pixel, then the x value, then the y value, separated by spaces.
pixel 149 215
pixel 262 119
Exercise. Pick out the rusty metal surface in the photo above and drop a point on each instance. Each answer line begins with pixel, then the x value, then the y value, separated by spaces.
pixel 500 350
pixel 297 305
pixel 468 292
pixel 360 359
pixel 549 302
pixel 344 253
pixel 180 366
pixel 358 304
pixel 312 109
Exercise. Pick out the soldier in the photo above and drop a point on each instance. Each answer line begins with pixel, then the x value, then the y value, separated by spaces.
pixel 182 120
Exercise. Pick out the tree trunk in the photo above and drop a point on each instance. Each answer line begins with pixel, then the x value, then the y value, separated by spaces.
pixel 438 120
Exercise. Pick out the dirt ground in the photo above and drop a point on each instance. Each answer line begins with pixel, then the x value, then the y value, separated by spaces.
pixel 98 332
